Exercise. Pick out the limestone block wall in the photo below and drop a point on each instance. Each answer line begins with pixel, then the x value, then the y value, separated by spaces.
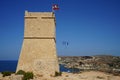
pixel 38 53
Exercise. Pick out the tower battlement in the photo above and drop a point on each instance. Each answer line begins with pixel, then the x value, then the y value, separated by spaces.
pixel 39 14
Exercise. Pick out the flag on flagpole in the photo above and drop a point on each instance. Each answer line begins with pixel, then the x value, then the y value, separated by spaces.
pixel 55 7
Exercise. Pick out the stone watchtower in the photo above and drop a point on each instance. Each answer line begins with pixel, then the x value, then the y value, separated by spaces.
pixel 38 54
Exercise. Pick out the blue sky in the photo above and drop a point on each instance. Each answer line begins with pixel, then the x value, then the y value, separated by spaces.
pixel 91 27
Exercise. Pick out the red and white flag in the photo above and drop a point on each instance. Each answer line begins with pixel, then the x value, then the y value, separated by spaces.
pixel 55 7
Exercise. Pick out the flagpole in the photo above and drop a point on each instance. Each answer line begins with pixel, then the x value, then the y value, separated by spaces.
pixel 54 7
pixel 53 12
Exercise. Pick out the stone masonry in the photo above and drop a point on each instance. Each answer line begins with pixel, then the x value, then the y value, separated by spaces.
pixel 38 53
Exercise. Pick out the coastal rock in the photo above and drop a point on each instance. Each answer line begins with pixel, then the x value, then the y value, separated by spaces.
pixel 6 78
pixel 16 77
pixel 1 76
pixel 87 75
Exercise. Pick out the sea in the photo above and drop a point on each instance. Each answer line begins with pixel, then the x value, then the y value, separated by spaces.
pixel 12 65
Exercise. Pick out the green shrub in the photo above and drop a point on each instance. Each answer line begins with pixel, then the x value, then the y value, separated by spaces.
pixel 7 73
pixel 99 77
pixel 28 75
pixel 58 73
pixel 116 74
pixel 21 72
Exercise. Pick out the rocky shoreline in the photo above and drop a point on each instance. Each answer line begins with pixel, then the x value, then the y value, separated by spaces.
pixel 105 63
